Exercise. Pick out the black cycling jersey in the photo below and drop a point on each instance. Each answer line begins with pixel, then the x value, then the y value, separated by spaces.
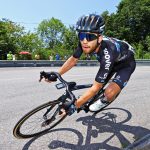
pixel 112 53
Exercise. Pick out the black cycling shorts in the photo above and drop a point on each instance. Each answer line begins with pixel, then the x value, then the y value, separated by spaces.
pixel 123 73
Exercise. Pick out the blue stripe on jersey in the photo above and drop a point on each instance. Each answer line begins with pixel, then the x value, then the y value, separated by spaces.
pixel 113 41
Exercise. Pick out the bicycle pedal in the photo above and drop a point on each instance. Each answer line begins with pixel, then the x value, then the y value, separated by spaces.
pixel 47 122
pixel 78 110
pixel 44 124
pixel 86 110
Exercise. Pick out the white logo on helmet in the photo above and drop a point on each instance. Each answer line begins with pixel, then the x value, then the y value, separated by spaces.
pixel 102 28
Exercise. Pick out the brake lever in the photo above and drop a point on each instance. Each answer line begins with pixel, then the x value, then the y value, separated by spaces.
pixel 40 78
pixel 42 75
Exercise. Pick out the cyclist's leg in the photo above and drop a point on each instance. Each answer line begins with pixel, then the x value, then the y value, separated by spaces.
pixel 114 88
pixel 120 80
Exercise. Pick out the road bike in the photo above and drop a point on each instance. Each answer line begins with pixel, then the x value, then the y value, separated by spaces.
pixel 46 116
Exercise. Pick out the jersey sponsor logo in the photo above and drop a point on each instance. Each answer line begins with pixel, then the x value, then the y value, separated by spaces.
pixel 118 77
pixel 107 59
pixel 104 76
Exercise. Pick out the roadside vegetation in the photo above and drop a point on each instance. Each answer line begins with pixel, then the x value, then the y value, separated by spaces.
pixel 131 22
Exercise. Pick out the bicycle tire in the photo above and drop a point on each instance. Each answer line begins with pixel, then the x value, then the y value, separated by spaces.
pixel 17 129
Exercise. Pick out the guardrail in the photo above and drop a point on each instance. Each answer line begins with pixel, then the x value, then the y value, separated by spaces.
pixel 143 62
pixel 47 63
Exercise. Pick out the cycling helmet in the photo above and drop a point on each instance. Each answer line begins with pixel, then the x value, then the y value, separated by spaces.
pixel 90 23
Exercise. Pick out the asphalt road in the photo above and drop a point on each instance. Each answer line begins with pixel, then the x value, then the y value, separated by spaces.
pixel 126 120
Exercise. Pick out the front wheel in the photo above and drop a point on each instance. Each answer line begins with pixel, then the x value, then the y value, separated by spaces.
pixel 38 120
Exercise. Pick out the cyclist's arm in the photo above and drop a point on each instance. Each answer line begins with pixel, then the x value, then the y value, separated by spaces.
pixel 88 94
pixel 68 65
pixel 72 60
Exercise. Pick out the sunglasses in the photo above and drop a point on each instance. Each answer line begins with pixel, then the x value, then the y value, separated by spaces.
pixel 88 36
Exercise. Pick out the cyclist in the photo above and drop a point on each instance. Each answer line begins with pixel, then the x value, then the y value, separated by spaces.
pixel 113 54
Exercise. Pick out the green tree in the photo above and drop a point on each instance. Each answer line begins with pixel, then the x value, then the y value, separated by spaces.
pixel 139 50
pixel 148 43
pixel 131 23
pixel 133 19
pixel 70 39
pixel 51 32
pixel 10 32
pixel 29 42
pixel 111 26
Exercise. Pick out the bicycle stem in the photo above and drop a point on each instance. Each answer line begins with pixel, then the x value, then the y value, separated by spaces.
pixel 45 74
pixel 72 96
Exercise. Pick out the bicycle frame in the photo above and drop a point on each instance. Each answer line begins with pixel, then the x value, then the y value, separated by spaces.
pixel 51 111
pixel 74 87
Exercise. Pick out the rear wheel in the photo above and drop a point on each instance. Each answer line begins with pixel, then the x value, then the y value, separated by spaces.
pixel 38 120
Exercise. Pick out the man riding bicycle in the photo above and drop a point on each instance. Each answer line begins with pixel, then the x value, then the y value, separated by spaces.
pixel 113 55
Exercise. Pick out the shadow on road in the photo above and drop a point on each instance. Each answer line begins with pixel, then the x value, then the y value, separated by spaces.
pixel 104 123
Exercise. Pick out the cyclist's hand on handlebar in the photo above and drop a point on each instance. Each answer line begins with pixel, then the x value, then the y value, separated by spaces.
pixel 49 77
pixel 68 108
pixel 48 80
